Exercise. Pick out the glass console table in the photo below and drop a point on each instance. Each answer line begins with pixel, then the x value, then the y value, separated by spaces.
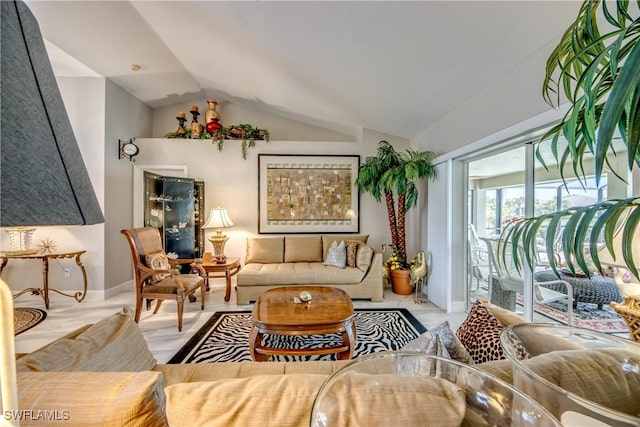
pixel 44 258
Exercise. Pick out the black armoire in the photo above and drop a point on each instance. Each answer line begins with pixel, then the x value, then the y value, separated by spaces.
pixel 175 206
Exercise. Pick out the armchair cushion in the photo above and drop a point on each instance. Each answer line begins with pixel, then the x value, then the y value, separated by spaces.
pixel 169 285
pixel 594 374
pixel 115 343
pixel 158 261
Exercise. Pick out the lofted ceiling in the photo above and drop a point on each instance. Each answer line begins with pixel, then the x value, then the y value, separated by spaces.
pixel 391 66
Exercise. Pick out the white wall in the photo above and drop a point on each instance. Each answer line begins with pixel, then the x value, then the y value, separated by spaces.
pixel 280 128
pixel 125 117
pixel 438 238
pixel 233 183
pixel 509 99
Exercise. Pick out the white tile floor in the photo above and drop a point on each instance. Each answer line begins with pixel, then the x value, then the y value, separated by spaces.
pixel 161 330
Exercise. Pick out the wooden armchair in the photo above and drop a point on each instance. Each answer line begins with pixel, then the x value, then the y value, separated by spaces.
pixel 155 275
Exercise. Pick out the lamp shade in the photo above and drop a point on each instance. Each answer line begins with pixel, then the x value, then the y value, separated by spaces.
pixel 218 218
pixel 43 179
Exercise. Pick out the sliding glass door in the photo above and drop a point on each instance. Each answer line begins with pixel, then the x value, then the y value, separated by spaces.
pixel 520 181
pixel 496 188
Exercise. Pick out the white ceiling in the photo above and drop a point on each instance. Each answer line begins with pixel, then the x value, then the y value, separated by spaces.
pixel 395 67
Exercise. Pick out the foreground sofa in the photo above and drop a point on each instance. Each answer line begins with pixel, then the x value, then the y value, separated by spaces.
pixel 104 374
pixel 294 260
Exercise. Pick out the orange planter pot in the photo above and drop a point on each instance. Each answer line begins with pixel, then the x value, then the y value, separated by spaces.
pixel 400 282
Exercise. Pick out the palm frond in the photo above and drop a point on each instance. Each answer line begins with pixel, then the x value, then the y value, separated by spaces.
pixel 591 227
pixel 598 73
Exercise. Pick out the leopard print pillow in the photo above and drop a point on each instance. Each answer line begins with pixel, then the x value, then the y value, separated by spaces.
pixel 480 335
pixel 352 250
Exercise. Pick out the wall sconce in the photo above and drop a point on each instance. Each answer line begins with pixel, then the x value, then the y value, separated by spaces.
pixel 128 149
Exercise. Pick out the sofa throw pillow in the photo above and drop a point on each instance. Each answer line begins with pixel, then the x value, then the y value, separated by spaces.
pixel 382 400
pixel 158 261
pixel 258 400
pixel 456 350
pixel 352 250
pixel 480 335
pixel 364 257
pixel 302 249
pixel 114 344
pixel 124 399
pixel 265 250
pixel 336 255
pixel 595 374
pixel 328 239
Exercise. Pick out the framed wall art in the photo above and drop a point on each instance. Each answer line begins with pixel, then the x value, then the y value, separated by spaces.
pixel 308 194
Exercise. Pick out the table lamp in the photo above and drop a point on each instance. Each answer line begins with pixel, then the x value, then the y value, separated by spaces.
pixel 43 179
pixel 218 219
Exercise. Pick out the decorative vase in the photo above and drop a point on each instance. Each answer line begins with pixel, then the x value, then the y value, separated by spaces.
pixel 400 282
pixel 211 114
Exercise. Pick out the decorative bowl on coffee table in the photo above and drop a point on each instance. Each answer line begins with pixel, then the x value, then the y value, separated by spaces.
pixel 415 389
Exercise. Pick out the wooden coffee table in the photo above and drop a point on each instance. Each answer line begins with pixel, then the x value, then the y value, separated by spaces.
pixel 329 312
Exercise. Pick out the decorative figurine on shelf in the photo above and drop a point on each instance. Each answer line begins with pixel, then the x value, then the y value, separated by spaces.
pixel 181 131
pixel 212 117
pixel 196 128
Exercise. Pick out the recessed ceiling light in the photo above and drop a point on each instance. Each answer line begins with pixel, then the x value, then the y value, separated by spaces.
pixel 135 67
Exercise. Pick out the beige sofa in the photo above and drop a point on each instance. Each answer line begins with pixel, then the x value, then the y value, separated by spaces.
pixel 298 260
pixel 104 374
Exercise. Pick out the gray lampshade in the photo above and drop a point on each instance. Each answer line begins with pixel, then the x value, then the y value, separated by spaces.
pixel 43 179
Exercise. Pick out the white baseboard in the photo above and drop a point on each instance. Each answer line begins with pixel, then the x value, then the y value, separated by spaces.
pixel 118 289
pixel 102 295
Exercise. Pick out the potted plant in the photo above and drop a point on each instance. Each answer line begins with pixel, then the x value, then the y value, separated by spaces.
pixel 598 73
pixel 245 132
pixel 396 174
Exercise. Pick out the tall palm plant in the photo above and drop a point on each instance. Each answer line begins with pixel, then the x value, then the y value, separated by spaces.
pixel 599 74
pixel 396 174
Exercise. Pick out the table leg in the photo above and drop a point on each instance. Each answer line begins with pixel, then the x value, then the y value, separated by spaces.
pixel 227 293
pixel 349 338
pixel 255 341
pixel 45 281
pixel 80 296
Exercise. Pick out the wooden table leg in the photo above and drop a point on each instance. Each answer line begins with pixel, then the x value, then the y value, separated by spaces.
pixel 349 338
pixel 227 293
pixel 255 341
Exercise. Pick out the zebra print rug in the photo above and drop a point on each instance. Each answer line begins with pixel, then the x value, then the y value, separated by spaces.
pixel 225 337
